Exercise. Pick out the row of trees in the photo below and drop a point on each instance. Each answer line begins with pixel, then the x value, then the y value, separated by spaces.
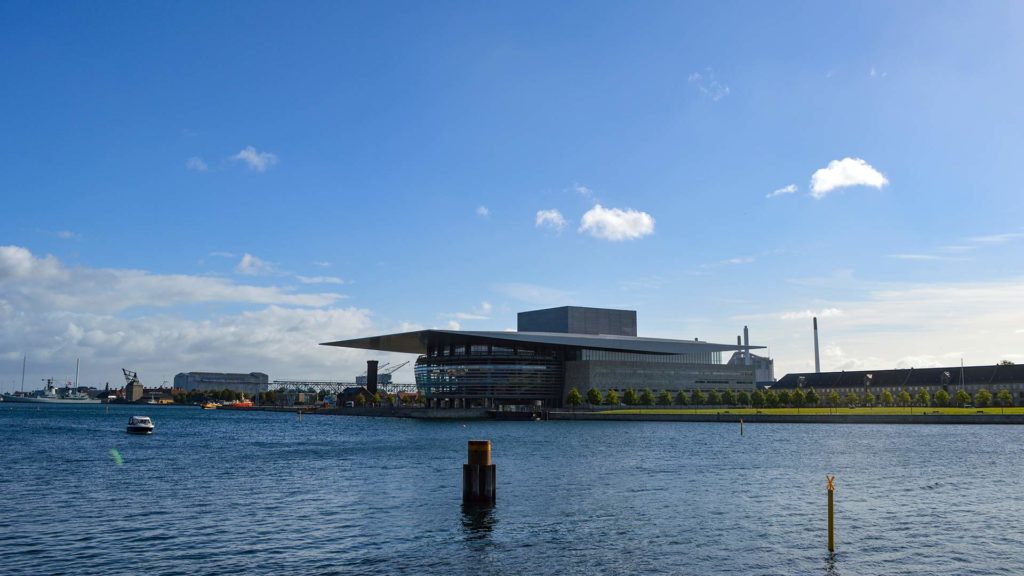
pixel 798 398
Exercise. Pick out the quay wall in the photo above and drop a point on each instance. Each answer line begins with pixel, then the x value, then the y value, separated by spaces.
pixel 800 418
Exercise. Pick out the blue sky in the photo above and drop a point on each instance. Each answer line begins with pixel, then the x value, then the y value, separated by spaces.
pixel 217 186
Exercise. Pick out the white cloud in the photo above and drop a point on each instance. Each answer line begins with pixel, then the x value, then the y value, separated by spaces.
pixel 916 257
pixel 552 219
pixel 33 282
pixel 807 314
pixel 196 163
pixel 583 190
pixel 741 260
pixel 481 312
pixel 615 224
pixel 482 211
pixel 535 294
pixel 251 265
pixel 453 325
pixel 221 254
pixel 844 173
pixel 996 238
pixel 901 325
pixel 320 280
pixel 67 235
pixel 258 161
pixel 786 190
pixel 322 264
pixel 113 318
pixel 708 85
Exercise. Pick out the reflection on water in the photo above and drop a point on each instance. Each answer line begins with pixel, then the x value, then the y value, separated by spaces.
pixel 478 521
pixel 831 566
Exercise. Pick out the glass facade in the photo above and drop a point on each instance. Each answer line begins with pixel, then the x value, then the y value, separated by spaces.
pixel 692 358
pixel 491 374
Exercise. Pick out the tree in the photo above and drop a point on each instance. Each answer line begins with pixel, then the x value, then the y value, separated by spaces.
pixel 360 400
pixel 682 399
pixel 574 398
pixel 729 398
pixel 714 398
pixel 982 398
pixel 833 399
pixel 784 398
pixel 611 398
pixel 1004 398
pixel 771 399
pixel 647 397
pixel 1005 363
pixel 851 399
pixel 743 399
pixel 903 398
pixel 886 399
pixel 962 398
pixel 630 397
pixel 376 398
pixel 923 398
pixel 697 397
pixel 593 396
pixel 757 399
pixel 812 398
pixel 797 398
pixel 665 398
pixel 942 398
pixel 869 398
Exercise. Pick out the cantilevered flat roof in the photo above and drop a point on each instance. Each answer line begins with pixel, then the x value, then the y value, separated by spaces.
pixel 417 342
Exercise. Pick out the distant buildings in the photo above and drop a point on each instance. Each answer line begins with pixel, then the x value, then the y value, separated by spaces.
pixel 913 380
pixel 249 384
pixel 552 351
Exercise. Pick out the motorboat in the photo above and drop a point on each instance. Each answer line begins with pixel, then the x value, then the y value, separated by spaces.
pixel 209 405
pixel 140 425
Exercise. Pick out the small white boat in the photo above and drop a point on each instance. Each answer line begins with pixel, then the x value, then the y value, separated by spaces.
pixel 140 425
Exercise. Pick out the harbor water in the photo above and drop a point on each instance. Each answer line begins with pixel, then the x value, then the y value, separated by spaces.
pixel 219 492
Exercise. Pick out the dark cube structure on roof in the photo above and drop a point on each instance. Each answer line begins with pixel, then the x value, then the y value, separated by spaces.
pixel 579 320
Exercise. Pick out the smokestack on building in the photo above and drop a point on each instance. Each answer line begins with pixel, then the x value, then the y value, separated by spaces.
pixel 371 376
pixel 817 359
pixel 746 346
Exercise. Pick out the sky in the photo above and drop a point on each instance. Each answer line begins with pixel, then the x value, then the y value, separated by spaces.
pixel 222 186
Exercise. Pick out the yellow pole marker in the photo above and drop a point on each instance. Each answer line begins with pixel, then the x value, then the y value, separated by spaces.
pixel 831 525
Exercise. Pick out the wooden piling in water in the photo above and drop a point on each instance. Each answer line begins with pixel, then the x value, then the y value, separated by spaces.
pixel 478 474
pixel 831 524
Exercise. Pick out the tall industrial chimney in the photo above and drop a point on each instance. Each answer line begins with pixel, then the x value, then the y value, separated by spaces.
pixel 746 346
pixel 817 359
pixel 371 376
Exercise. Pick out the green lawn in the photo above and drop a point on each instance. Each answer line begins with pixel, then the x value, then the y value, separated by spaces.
pixel 789 411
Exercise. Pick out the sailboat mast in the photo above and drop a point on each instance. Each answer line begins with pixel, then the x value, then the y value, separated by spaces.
pixel 23 360
pixel 76 373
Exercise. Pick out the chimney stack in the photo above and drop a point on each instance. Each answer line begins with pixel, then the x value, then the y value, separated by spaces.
pixel 746 346
pixel 371 376
pixel 817 359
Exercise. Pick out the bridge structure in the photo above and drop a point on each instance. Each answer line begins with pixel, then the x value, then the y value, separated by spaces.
pixel 294 386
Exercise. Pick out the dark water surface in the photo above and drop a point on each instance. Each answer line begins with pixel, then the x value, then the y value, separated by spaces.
pixel 215 492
